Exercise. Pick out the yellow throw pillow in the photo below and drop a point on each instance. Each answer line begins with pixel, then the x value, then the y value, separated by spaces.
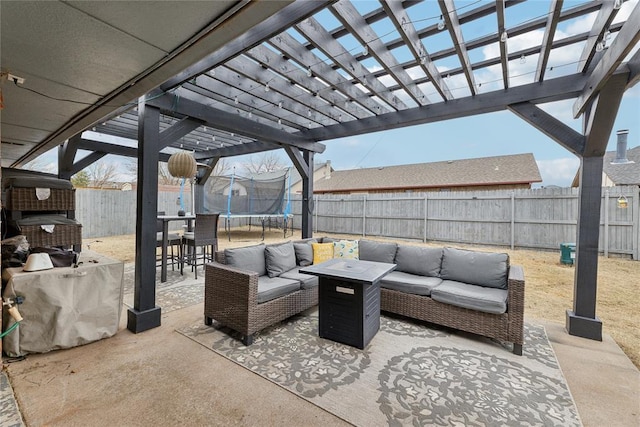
pixel 347 249
pixel 322 252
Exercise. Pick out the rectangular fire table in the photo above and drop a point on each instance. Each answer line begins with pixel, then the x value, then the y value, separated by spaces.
pixel 349 299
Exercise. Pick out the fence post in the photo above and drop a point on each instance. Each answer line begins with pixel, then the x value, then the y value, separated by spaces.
pixel 364 215
pixel 424 237
pixel 636 223
pixel 513 219
pixel 605 242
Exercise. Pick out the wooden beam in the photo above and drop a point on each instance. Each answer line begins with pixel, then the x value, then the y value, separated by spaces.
pixel 222 120
pixel 407 31
pixel 305 57
pixel 236 150
pixel 285 18
pixel 600 118
pixel 86 161
pixel 307 196
pixel 298 161
pixel 450 16
pixel 322 40
pixel 118 150
pixel 347 14
pixel 634 70
pixel 624 42
pixel 66 155
pixel 602 22
pixel 547 40
pixel 550 126
pixel 548 91
pixel 145 314
pixel 179 129
pixel 504 51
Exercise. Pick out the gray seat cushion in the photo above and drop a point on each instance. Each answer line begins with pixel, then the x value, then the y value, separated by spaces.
pixel 279 258
pixel 409 283
pixel 377 251
pixel 419 260
pixel 270 288
pixel 248 258
pixel 476 268
pixel 170 236
pixel 307 280
pixel 488 300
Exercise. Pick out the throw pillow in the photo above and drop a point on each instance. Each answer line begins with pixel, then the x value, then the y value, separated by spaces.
pixel 248 258
pixel 322 252
pixel 304 253
pixel 345 249
pixel 279 258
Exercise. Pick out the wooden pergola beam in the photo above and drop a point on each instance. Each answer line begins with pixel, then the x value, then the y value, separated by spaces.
pixel 547 40
pixel 602 22
pixel 626 40
pixel 504 51
pixel 450 16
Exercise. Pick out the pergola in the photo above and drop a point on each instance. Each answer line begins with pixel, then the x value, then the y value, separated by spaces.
pixel 287 75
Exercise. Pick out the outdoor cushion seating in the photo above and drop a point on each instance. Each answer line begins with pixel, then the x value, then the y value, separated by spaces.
pixel 250 288
pixel 473 291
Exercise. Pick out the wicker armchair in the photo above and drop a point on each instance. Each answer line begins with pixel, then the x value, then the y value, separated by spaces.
pixel 230 297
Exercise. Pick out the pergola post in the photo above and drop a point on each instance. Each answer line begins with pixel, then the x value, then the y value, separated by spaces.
pixel 598 122
pixel 582 320
pixel 307 197
pixel 145 314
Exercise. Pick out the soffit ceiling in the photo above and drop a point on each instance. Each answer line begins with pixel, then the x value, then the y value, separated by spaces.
pixel 321 70
pixel 81 60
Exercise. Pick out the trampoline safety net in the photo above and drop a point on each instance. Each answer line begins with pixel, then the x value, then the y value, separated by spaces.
pixel 236 195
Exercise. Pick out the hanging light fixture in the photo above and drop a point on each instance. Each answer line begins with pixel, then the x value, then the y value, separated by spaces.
pixel 623 203
pixel 504 36
pixel 441 24
pixel 182 165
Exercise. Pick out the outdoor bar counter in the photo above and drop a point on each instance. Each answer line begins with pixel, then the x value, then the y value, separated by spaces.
pixel 64 306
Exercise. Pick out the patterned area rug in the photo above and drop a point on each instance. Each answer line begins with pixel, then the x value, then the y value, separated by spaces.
pixel 409 374
pixel 174 294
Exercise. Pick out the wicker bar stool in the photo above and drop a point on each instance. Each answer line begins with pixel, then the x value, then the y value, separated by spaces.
pixel 203 236
pixel 173 239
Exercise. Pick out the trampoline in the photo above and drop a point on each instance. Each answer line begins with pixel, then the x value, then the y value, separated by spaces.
pixel 266 198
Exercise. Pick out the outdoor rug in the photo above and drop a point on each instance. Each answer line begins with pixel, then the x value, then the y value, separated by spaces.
pixel 174 294
pixel 410 373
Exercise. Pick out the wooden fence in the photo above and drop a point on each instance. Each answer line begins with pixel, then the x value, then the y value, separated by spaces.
pixel 541 218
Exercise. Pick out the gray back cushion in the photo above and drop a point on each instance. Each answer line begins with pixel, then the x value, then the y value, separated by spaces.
pixel 304 252
pixel 248 258
pixel 419 260
pixel 370 250
pixel 475 268
pixel 279 258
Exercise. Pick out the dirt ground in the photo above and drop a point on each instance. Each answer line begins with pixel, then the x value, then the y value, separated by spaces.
pixel 549 284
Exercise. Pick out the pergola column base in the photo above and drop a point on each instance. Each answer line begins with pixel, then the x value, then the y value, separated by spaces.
pixel 140 321
pixel 584 327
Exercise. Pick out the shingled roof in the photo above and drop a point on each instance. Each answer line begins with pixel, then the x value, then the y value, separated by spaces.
pixel 498 170
pixel 626 173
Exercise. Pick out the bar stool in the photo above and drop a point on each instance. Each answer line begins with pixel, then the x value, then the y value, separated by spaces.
pixel 203 236
pixel 173 239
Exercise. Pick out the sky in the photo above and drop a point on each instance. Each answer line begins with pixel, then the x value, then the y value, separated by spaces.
pixel 487 135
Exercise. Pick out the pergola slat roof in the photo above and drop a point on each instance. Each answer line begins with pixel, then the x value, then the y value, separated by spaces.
pixel 324 78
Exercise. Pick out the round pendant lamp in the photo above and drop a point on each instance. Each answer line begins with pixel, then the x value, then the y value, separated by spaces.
pixel 182 165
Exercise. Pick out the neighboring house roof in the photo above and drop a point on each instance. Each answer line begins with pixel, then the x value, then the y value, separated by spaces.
pixel 512 169
pixel 623 174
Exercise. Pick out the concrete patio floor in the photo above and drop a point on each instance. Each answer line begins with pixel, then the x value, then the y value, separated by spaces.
pixel 160 377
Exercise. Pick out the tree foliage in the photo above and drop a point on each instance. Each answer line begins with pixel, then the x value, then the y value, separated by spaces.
pixel 81 179
pixel 102 173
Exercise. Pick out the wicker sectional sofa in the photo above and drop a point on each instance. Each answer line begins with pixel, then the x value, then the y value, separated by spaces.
pixel 248 289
